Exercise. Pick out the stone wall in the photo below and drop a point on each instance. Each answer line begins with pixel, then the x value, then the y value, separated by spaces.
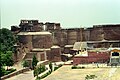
pixel 101 57
pixel 42 41
pixel 55 54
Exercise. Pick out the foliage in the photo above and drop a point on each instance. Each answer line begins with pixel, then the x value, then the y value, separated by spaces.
pixel 76 67
pixel 5 72
pixel 36 72
pixel 9 60
pixel 57 67
pixel 6 59
pixel 7 40
pixel 51 66
pixel 25 63
pixel 2 61
pixel 90 77
pixel 10 71
pixel 2 71
pixel 39 70
pixel 45 75
pixel 37 78
pixel 34 61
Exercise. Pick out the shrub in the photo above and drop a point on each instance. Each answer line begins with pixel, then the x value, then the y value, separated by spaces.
pixel 76 67
pixel 56 67
pixel 8 71
pixel 41 69
pixel 60 65
pixel 25 63
pixel 90 77
pixel 36 72
pixel 45 75
pixel 34 61
pixel 50 66
pixel 37 78
pixel 82 67
pixel 2 71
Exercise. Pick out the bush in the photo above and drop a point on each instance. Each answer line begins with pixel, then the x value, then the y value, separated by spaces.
pixel 2 71
pixel 76 67
pixel 37 78
pixel 55 68
pixel 51 66
pixel 90 77
pixel 34 61
pixel 6 72
pixel 25 63
pixel 82 67
pixel 60 65
pixel 41 69
pixel 45 75
pixel 36 72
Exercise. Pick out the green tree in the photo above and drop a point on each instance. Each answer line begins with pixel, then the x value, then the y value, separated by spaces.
pixel 34 61
pixel 8 59
pixel 7 40
pixel 25 63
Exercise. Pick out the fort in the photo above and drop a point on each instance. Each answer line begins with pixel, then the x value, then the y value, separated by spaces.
pixel 48 41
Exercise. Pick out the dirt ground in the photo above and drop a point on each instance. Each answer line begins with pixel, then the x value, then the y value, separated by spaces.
pixel 66 73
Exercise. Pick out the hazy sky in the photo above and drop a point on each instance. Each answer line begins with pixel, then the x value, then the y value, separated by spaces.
pixel 70 13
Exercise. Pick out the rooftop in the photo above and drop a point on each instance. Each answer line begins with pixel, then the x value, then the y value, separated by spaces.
pixel 34 33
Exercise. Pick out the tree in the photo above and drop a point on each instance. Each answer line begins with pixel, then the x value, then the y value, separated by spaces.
pixel 34 61
pixel 8 59
pixel 7 40
pixel 25 63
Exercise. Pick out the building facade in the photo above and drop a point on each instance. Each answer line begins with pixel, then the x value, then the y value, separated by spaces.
pixel 37 38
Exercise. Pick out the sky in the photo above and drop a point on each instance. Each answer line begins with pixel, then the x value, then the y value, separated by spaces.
pixel 69 13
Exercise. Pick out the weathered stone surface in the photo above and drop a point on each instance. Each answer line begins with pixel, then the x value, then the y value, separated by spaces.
pixel 61 37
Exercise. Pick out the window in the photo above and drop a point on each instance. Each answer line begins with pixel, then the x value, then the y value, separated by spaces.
pixel 115 54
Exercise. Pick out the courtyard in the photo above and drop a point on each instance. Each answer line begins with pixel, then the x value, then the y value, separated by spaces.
pixel 102 73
